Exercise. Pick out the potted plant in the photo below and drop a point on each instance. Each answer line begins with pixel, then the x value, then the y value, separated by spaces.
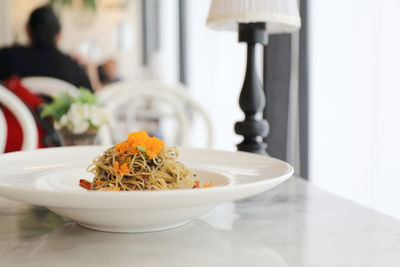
pixel 77 119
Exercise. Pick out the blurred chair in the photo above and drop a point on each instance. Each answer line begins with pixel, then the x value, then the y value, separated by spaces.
pixel 154 106
pixel 48 86
pixel 24 117
pixel 3 132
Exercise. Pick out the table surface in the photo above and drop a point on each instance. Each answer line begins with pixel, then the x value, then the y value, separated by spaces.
pixel 295 224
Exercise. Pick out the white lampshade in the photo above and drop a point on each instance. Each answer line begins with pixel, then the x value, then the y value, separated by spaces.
pixel 281 16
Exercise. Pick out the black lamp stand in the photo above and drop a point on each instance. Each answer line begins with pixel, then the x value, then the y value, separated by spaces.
pixel 252 98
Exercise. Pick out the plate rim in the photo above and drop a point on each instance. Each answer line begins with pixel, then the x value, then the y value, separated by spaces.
pixel 7 191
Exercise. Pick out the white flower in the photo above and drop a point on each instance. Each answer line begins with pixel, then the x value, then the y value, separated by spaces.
pixel 97 117
pixel 63 122
pixel 80 117
pixel 80 126
pixel 78 111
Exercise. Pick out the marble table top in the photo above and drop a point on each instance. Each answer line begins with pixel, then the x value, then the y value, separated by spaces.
pixel 294 224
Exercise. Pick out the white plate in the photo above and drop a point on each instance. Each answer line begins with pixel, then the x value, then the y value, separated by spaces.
pixel 50 178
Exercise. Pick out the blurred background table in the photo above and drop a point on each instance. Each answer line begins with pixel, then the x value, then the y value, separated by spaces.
pixel 294 224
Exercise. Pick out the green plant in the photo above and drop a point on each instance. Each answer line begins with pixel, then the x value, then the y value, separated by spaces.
pixel 62 103
pixel 86 4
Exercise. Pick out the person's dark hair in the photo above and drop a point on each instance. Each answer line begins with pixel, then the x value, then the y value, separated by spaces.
pixel 43 26
pixel 103 76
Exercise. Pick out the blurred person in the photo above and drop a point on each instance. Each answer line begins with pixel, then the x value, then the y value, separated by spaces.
pixel 42 57
pixel 108 72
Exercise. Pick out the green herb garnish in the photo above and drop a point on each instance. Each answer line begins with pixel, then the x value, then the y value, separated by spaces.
pixel 141 149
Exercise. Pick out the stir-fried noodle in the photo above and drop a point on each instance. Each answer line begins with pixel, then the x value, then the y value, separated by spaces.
pixel 139 163
pixel 158 173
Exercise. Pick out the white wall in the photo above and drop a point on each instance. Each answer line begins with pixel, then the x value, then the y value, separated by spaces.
pixel 386 196
pixel 5 33
pixel 216 70
pixel 164 64
pixel 354 91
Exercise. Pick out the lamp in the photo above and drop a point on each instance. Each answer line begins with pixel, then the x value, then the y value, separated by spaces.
pixel 253 19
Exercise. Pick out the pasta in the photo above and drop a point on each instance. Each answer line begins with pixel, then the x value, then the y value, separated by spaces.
pixel 139 163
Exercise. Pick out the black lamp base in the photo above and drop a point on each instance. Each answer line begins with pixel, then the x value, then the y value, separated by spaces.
pixel 252 97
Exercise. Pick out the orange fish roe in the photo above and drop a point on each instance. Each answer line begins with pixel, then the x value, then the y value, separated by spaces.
pixel 124 169
pixel 208 185
pixel 152 145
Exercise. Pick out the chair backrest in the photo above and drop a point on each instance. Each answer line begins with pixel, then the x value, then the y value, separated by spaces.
pixel 107 92
pixel 48 86
pixel 3 132
pixel 176 95
pixel 24 117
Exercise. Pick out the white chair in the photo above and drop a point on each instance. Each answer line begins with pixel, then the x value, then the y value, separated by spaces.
pixel 48 86
pixel 121 96
pixel 24 117
pixel 3 132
